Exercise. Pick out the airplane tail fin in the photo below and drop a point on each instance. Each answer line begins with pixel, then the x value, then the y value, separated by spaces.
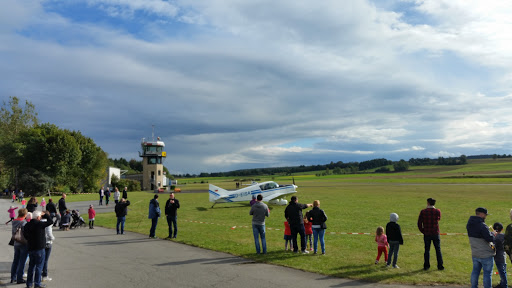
pixel 216 192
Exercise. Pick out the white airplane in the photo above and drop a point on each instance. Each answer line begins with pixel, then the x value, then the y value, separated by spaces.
pixel 270 191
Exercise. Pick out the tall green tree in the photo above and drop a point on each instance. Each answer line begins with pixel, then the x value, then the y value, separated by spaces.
pixel 14 119
pixel 93 162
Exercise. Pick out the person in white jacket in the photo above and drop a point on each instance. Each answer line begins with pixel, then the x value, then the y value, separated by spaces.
pixel 48 250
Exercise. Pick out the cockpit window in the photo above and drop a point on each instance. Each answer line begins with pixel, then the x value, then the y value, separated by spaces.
pixel 268 186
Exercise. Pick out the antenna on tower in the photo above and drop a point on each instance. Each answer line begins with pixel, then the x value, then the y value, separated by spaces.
pixel 153 132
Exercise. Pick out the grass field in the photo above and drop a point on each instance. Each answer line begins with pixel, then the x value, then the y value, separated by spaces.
pixel 353 203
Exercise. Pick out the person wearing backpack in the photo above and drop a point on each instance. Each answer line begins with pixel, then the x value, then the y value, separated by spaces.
pixel 20 249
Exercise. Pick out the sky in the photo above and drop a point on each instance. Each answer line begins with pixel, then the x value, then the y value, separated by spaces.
pixel 247 84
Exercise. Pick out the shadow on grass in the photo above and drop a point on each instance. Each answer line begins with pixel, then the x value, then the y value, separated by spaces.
pixel 201 209
pixel 367 273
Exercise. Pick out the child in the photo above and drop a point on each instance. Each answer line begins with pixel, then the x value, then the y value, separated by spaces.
pixel 500 257
pixel 287 236
pixel 23 202
pixel 309 231
pixel 394 234
pixel 43 204
pixel 382 244
pixel 12 214
pixel 13 197
pixel 92 214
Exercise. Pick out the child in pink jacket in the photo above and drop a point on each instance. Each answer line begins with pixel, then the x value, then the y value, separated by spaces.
pixel 382 244
pixel 92 214
pixel 12 214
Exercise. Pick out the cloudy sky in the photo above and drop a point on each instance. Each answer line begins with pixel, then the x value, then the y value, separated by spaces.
pixel 236 84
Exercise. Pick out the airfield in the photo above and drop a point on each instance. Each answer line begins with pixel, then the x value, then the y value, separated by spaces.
pixel 355 204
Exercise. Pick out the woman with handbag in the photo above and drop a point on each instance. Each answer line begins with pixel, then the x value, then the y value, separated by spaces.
pixel 20 249
pixel 317 217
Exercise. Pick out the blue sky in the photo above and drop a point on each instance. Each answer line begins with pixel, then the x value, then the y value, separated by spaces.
pixel 240 84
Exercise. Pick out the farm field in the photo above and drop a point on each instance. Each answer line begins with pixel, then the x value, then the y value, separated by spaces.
pixel 354 203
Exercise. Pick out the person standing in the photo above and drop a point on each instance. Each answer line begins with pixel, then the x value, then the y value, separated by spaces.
pixel 293 213
pixel 259 211
pixel 317 217
pixel 500 257
pixel 428 224
pixel 154 214
pixel 171 213
pixel 47 251
pixel 125 193
pixel 482 252
pixel 395 239
pixel 92 215
pixel 20 250
pixel 62 206
pixel 121 212
pixel 102 194
pixel 35 233
pixel 32 204
pixel 117 194
pixel 53 211
pixel 107 196
pixel 43 205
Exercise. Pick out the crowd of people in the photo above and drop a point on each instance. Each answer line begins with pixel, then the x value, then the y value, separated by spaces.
pixel 34 237
pixel 295 224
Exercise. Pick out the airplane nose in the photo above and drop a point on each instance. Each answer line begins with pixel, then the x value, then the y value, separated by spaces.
pixel 295 186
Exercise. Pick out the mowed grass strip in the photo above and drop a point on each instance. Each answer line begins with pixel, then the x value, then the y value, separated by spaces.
pixel 351 207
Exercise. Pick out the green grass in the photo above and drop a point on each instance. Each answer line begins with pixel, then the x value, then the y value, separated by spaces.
pixel 353 203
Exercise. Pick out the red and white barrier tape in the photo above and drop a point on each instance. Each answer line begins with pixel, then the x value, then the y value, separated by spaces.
pixel 332 233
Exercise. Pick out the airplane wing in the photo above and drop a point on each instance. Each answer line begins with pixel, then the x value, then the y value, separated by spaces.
pixel 276 195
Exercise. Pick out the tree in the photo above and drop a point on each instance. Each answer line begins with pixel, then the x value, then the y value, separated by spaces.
pixel 13 120
pixel 401 165
pixel 90 170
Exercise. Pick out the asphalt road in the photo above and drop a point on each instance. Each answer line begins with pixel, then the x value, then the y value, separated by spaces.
pixel 101 258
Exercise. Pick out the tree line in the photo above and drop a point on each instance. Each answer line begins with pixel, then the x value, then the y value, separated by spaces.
pixel 381 165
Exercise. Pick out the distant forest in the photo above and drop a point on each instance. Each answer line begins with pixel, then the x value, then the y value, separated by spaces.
pixel 381 165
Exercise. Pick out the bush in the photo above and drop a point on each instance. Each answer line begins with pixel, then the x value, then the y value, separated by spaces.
pixel 133 185
pixel 382 169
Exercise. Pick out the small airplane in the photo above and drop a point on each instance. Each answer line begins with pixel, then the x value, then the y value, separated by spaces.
pixel 270 191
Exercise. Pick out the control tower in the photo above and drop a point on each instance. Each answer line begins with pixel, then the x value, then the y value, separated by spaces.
pixel 152 155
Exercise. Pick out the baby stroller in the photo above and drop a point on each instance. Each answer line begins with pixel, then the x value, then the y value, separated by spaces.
pixel 77 220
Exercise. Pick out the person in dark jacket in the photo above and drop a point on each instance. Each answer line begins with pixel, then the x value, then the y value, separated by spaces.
pixel 171 212
pixel 394 234
pixel 32 205
pixel 317 217
pixel 125 193
pixel 500 257
pixel 293 213
pixel 482 247
pixel 62 205
pixel 107 196
pixel 121 212
pixel 154 214
pixel 428 224
pixel 52 209
pixel 35 233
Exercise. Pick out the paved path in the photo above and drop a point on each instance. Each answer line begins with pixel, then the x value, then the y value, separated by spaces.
pixel 100 258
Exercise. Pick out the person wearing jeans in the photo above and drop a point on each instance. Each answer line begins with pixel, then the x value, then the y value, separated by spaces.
pixel 171 213
pixel 482 263
pixel 259 211
pixel 154 214
pixel 121 212
pixel 317 217
pixel 482 252
pixel 35 233
pixel 428 224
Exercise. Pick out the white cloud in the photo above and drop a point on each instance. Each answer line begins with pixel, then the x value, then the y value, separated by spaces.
pixel 249 77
